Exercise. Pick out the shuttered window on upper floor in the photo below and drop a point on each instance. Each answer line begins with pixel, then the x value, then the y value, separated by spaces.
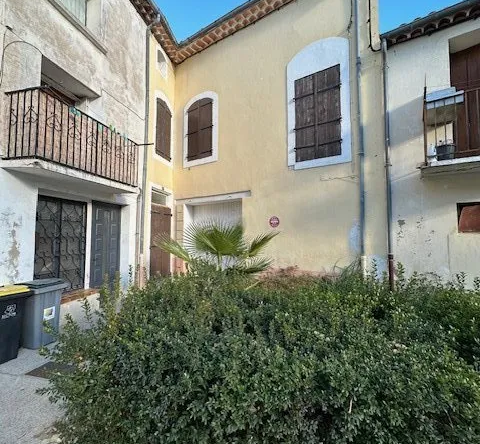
pixel 318 115
pixel 163 137
pixel 200 129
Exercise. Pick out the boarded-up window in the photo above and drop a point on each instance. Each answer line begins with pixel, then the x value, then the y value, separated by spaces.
pixel 318 115
pixel 200 129
pixel 163 130
pixel 469 218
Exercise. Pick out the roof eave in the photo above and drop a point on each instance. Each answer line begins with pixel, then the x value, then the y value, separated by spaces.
pixel 435 22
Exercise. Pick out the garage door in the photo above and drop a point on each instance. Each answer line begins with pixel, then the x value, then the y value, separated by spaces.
pixel 230 212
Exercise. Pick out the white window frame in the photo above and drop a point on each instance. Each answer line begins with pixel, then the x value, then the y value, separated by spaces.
pixel 214 157
pixel 155 156
pixel 162 67
pixel 318 56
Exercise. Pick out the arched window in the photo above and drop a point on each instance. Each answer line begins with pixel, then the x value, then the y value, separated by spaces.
pixel 318 91
pixel 162 62
pixel 201 130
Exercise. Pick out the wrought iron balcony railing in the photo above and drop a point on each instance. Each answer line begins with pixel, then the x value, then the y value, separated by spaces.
pixel 452 124
pixel 43 127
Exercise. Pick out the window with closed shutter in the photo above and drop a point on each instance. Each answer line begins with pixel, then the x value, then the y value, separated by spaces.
pixel 163 130
pixel 318 115
pixel 200 129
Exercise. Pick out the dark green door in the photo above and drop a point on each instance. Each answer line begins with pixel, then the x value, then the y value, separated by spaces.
pixel 105 243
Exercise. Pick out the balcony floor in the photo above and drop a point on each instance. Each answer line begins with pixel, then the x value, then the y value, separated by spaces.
pixel 66 177
pixel 454 166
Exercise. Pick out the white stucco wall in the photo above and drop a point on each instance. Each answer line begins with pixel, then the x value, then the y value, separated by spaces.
pixel 426 238
pixel 109 60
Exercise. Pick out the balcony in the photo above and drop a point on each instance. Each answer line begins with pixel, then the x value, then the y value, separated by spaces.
pixel 451 131
pixel 44 128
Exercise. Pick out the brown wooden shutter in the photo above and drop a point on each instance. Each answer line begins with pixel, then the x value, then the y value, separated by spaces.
pixel 163 130
pixel 318 115
pixel 465 75
pixel 200 129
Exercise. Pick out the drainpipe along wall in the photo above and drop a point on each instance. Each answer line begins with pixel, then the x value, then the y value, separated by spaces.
pixel 388 165
pixel 142 196
pixel 361 138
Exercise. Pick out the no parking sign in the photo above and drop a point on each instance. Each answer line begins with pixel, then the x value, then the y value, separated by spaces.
pixel 274 222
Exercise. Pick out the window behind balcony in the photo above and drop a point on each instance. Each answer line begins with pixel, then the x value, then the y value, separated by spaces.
pixel 77 8
pixel 465 76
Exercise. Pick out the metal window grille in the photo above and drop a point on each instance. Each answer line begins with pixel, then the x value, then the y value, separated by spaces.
pixel 60 241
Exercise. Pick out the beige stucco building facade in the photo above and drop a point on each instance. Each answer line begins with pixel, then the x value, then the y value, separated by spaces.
pixel 252 173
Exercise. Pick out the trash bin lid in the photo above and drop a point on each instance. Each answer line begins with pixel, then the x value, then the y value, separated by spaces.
pixel 42 283
pixel 9 290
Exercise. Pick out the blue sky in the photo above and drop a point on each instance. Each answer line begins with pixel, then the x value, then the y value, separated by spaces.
pixel 188 16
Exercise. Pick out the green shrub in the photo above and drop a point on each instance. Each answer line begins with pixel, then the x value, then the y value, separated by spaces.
pixel 198 359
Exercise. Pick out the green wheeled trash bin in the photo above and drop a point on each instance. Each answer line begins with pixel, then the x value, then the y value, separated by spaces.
pixel 43 305
pixel 12 307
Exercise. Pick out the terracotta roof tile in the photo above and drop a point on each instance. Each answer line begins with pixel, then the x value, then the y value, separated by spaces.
pixel 436 21
pixel 236 20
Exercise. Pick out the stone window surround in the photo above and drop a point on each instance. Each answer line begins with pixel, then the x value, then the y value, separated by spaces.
pixel 214 156
pixel 316 57
pixel 79 26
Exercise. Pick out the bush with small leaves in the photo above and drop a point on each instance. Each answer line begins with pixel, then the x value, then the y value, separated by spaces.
pixel 205 358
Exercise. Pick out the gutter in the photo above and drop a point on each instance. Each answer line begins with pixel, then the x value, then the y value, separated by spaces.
pixel 361 151
pixel 388 166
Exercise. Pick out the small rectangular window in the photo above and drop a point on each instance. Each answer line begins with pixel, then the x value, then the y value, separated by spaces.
pixel 77 8
pixel 318 115
pixel 468 217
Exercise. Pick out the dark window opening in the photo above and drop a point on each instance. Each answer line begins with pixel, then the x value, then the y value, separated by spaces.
pixel 60 240
pixel 163 130
pixel 318 115
pixel 59 93
pixel 200 129
pixel 468 217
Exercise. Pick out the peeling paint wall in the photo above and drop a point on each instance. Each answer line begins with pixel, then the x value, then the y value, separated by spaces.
pixel 117 77
pixel 426 237
pixel 17 228
pixel 107 57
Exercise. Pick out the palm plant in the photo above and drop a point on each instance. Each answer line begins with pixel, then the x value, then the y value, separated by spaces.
pixel 221 245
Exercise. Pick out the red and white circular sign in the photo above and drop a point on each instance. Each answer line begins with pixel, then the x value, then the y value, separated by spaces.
pixel 274 222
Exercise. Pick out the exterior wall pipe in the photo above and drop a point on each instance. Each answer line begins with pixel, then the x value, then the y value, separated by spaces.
pixel 361 138
pixel 388 166
pixel 142 206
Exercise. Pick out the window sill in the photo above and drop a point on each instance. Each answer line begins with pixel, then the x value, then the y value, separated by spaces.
pixel 325 161
pixel 162 159
pixel 203 161
pixel 79 26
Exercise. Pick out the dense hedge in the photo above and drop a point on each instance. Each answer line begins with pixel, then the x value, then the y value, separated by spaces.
pixel 204 360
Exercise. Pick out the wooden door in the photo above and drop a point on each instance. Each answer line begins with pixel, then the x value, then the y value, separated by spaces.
pixel 105 243
pixel 161 223
pixel 465 75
